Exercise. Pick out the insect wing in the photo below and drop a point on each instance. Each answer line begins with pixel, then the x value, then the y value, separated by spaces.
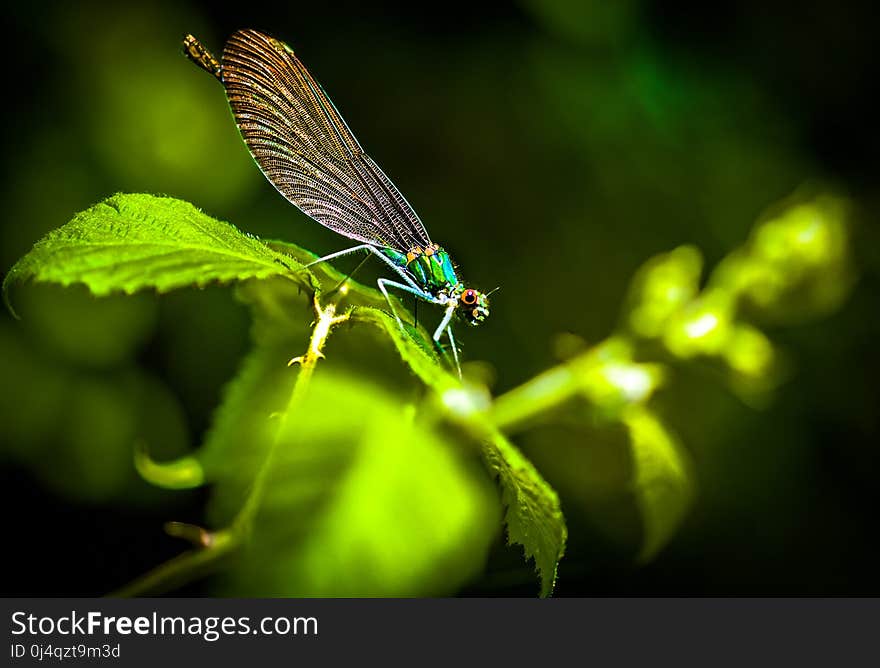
pixel 306 150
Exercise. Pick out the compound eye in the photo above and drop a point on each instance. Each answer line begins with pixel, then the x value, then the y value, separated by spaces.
pixel 469 297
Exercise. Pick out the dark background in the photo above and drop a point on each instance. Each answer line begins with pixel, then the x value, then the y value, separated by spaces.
pixel 552 147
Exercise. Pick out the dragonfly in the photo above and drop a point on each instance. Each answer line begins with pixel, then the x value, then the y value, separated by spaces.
pixel 301 143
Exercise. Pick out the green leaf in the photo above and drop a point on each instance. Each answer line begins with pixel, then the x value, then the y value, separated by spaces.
pixel 663 481
pixel 533 516
pixel 132 242
pixel 183 473
pixel 532 512
pixel 365 501
pixel 246 420
pixel 415 348
pixel 362 496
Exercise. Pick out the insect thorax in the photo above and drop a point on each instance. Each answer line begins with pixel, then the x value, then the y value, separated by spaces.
pixel 431 267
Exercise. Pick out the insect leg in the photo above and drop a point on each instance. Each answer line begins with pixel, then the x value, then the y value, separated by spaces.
pixel 454 350
pixel 349 275
pixel 382 282
pixel 414 288
pixel 342 253
pixel 444 324
pixel 421 294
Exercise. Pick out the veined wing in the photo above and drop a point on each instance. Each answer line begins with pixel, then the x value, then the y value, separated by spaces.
pixel 305 148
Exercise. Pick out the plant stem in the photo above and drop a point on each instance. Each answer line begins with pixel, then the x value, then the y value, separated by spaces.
pixel 512 410
pixel 181 569
pixel 214 545
pixel 326 319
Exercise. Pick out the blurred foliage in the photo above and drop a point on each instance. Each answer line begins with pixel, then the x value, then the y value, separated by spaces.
pixel 329 488
pixel 802 244
pixel 73 419
pixel 552 148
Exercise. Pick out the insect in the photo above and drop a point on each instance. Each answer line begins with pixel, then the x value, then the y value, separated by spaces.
pixel 304 147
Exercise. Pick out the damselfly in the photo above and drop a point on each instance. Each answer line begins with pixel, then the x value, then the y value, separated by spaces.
pixel 303 146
